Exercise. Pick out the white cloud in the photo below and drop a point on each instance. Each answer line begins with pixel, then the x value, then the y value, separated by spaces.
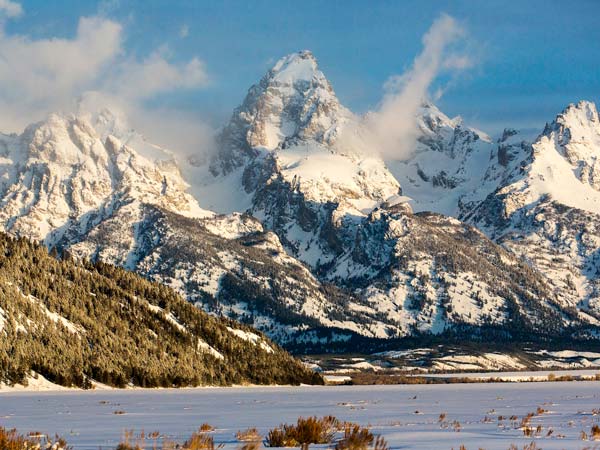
pixel 142 79
pixel 10 9
pixel 394 124
pixel 49 69
pixel 39 76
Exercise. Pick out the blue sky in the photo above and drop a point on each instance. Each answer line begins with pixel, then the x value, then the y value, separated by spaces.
pixel 531 58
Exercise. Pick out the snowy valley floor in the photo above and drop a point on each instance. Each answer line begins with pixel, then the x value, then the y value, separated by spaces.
pixel 407 415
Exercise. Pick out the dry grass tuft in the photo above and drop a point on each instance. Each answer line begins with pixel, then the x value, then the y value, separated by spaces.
pixel 248 435
pixel 360 438
pixel 595 433
pixel 251 438
pixel 456 426
pixel 201 441
pixel 530 446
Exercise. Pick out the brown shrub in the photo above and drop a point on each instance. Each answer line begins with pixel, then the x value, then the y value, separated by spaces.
pixel 11 440
pixel 310 430
pixel 127 446
pixel 277 437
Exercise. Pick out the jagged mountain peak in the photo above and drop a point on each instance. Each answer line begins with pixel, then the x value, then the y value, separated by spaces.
pixel 545 201
pixel 90 141
pixel 577 124
pixel 569 148
pixel 508 135
pixel 582 112
pixel 448 161
pixel 434 119
pixel 301 159
pixel 60 176
pixel 297 67
pixel 62 139
pixel 292 104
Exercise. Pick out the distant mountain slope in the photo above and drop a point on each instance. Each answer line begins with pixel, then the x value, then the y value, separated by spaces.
pixel 539 199
pixel 546 204
pixel 74 322
pixel 61 177
pixel 245 273
pixel 447 163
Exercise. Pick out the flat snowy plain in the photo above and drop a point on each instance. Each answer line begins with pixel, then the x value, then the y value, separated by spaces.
pixel 408 416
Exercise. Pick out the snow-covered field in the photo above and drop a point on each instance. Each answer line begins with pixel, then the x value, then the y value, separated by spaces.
pixel 408 416
pixel 538 375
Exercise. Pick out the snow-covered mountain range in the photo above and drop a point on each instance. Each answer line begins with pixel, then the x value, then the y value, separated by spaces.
pixel 299 227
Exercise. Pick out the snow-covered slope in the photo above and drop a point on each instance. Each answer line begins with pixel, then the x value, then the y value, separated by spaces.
pixel 448 161
pixel 77 187
pixel 243 273
pixel 540 199
pixel 546 205
pixel 61 177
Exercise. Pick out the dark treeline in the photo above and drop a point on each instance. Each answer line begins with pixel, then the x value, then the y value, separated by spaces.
pixel 73 321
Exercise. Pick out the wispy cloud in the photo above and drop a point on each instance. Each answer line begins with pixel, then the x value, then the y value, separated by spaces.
pixel 41 75
pixel 10 9
pixel 394 124
pixel 138 80
pixel 92 69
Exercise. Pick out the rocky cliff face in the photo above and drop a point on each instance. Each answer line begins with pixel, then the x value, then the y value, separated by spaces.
pixel 545 205
pixel 306 180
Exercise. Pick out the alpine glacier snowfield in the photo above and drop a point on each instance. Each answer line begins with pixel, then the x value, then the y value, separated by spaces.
pixel 408 416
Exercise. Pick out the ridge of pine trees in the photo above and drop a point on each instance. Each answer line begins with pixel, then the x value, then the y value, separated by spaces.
pixel 74 321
